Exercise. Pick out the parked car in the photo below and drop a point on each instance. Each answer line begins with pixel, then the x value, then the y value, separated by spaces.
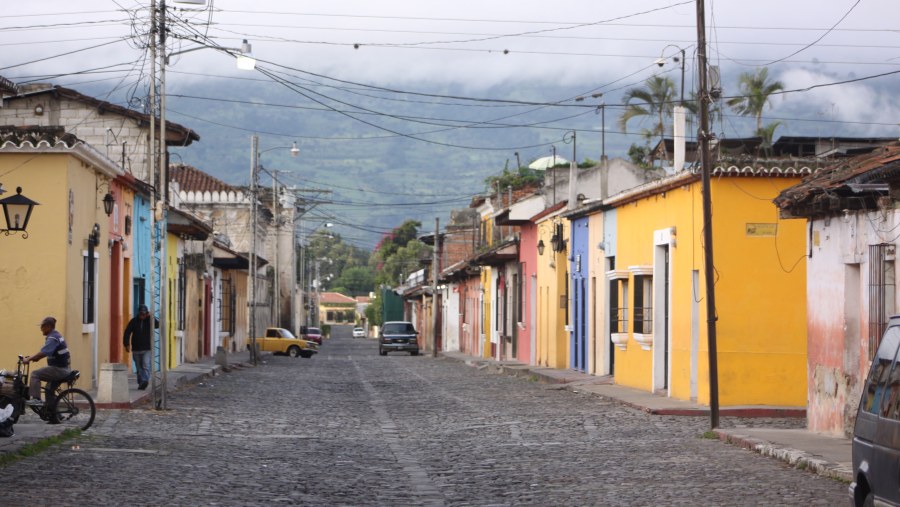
pixel 876 436
pixel 313 334
pixel 359 332
pixel 398 336
pixel 281 341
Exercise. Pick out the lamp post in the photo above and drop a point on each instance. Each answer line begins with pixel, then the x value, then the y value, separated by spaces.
pixel 662 61
pixel 159 197
pixel 254 224
pixel 602 109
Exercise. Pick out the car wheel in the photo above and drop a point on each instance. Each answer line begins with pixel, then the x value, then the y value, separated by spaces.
pixel 382 352
pixel 414 352
pixel 294 351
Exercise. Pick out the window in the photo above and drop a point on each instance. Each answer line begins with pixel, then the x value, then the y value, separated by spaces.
pixel 880 371
pixel 180 295
pixel 618 302
pixel 87 290
pixel 227 306
pixel 882 277
pixel 643 304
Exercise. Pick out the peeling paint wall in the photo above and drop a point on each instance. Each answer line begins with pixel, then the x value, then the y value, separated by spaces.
pixel 838 313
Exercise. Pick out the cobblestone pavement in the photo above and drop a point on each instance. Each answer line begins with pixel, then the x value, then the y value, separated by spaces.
pixel 349 427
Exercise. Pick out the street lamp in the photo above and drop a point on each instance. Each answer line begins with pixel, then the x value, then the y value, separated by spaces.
pixel 254 206
pixel 17 211
pixel 662 61
pixel 602 109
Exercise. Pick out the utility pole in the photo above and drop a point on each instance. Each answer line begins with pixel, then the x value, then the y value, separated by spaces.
pixel 163 208
pixel 434 284
pixel 152 153
pixel 276 296
pixel 709 266
pixel 254 175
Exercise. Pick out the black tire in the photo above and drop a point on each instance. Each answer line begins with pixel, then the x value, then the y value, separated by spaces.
pixel 382 352
pixel 73 408
pixel 414 352
pixel 293 351
pixel 6 400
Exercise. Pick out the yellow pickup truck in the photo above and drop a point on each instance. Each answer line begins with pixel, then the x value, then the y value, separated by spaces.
pixel 281 341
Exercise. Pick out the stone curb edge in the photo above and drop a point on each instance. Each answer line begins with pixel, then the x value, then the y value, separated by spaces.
pixel 793 457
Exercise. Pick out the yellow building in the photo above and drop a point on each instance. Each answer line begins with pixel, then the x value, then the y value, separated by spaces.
pixel 657 298
pixel 63 267
pixel 552 335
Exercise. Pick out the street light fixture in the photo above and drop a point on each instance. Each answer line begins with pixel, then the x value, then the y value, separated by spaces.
pixel 108 202
pixel 17 211
pixel 662 61
pixel 602 108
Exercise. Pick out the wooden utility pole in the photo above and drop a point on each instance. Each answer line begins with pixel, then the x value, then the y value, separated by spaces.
pixel 703 138
pixel 434 286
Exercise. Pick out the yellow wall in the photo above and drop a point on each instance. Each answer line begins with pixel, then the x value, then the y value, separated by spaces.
pixel 486 313
pixel 171 303
pixel 761 307
pixel 552 281
pixel 42 275
pixel 760 296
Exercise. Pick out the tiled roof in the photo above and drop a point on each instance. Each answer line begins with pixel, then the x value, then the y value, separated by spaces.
pixel 335 298
pixel 849 184
pixel 51 136
pixel 191 179
pixel 7 86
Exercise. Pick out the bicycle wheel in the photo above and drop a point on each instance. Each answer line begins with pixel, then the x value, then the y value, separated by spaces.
pixel 73 408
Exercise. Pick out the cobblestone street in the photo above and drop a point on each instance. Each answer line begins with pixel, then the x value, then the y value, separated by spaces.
pixel 349 427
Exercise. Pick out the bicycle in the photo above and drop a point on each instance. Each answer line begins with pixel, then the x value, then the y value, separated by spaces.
pixel 63 403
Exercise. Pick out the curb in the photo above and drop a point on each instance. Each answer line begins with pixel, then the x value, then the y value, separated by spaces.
pixel 794 457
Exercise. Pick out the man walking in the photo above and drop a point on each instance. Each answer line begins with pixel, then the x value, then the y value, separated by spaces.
pixel 137 339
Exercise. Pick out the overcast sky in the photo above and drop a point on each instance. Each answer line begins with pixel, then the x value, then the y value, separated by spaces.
pixel 466 42
pixel 470 46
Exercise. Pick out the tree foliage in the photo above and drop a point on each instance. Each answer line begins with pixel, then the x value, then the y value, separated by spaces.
pixel 755 91
pixel 655 99
pixel 513 179
pixel 398 254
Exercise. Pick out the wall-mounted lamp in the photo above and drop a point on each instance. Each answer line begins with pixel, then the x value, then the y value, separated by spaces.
pixel 108 202
pixel 540 247
pixel 17 210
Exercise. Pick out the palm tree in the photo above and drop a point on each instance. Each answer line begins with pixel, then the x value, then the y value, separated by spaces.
pixel 767 134
pixel 655 98
pixel 755 90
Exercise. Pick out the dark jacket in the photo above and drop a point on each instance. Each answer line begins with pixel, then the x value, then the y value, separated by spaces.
pixel 138 333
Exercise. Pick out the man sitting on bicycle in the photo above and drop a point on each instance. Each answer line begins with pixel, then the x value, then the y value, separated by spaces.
pixel 58 361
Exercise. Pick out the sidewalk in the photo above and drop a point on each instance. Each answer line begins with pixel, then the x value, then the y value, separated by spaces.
pixel 823 454
pixel 31 428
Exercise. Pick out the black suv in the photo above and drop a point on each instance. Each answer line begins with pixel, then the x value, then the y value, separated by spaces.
pixel 398 335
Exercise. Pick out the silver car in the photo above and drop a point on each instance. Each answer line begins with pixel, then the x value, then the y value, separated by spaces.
pixel 398 336
pixel 876 436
